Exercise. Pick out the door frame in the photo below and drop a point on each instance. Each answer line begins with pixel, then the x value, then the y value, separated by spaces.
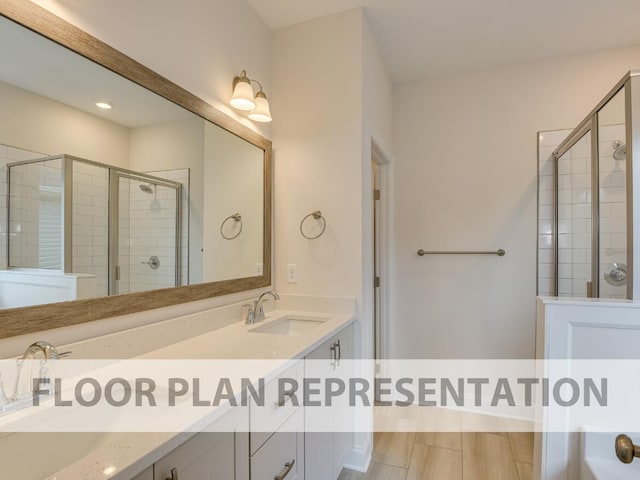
pixel 381 330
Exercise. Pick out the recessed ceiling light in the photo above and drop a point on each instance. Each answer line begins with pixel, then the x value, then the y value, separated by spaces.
pixel 103 105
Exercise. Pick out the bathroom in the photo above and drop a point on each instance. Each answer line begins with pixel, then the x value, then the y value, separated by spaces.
pixel 339 98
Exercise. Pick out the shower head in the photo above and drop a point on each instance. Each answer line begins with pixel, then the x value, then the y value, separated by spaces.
pixel 146 188
pixel 619 150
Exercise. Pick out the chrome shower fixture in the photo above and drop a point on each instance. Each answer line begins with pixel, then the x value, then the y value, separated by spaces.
pixel 619 150
pixel 147 188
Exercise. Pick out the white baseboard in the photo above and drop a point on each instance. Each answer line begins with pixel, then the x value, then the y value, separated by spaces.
pixel 359 459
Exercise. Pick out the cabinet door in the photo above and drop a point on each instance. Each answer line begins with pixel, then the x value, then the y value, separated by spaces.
pixel 317 445
pixel 205 456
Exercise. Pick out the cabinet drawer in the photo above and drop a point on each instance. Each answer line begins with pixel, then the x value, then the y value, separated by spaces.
pixel 277 408
pixel 282 456
pixel 146 475
pixel 205 456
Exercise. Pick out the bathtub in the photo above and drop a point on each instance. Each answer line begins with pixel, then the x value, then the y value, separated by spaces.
pixel 599 461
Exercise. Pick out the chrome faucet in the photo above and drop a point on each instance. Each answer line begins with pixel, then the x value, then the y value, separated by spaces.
pixel 23 394
pixel 258 308
pixel 255 311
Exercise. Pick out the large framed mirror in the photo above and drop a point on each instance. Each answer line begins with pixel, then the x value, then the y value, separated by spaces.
pixel 121 191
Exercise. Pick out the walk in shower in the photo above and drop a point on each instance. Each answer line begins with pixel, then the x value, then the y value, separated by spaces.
pixel 589 201
pixel 119 228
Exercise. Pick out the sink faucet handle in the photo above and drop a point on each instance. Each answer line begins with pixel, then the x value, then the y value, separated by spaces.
pixel 249 312
pixel 65 354
pixel 4 400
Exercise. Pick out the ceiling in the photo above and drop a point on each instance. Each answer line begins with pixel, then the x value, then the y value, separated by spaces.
pixel 426 38
pixel 38 65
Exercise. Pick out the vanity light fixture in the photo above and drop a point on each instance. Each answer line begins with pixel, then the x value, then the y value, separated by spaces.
pixel 103 105
pixel 244 99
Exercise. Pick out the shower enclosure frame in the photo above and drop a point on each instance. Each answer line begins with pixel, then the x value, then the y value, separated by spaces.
pixel 630 84
pixel 114 174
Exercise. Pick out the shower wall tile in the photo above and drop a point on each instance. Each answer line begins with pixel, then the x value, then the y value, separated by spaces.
pixel 35 204
pixel 152 232
pixel 574 211
pixel 90 215
pixel 547 143
pixel 613 209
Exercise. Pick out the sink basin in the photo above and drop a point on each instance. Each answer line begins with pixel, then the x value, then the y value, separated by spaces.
pixel 290 326
pixel 49 452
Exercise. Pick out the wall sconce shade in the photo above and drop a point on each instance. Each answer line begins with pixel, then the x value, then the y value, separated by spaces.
pixel 261 113
pixel 244 99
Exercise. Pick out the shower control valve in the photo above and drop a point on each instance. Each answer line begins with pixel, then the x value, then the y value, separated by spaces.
pixel 153 262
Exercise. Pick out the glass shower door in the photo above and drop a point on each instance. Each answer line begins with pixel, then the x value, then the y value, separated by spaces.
pixel 612 179
pixel 145 255
pixel 574 220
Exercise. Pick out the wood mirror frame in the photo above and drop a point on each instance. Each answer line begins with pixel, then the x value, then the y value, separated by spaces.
pixel 18 321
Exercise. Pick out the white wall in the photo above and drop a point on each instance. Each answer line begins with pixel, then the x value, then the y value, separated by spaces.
pixel 234 183
pixel 377 122
pixel 317 102
pixel 465 178
pixel 198 44
pixel 377 92
pixel 332 95
pixel 36 123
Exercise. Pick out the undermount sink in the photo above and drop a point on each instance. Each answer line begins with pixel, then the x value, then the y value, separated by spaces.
pixel 290 326
pixel 50 452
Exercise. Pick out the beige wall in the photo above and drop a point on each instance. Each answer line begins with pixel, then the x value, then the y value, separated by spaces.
pixel 465 178
pixel 317 102
pixel 234 183
pixel 36 123
pixel 198 44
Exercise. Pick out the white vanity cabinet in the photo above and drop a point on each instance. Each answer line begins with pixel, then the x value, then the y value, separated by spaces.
pixel 277 431
pixel 205 456
pixel 326 452
pixel 282 456
pixel 271 441
pixel 146 475
pixel 221 453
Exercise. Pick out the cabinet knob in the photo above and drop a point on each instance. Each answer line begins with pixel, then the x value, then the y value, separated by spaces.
pixel 287 468
pixel 626 451
pixel 174 475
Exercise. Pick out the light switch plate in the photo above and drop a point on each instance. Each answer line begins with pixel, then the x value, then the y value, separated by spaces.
pixel 292 273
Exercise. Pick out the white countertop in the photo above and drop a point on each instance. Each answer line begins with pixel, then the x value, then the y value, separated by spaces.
pixel 120 456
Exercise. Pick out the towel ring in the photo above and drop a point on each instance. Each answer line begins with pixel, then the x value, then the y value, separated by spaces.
pixel 318 216
pixel 238 218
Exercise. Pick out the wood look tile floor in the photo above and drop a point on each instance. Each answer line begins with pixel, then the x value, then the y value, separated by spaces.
pixel 451 455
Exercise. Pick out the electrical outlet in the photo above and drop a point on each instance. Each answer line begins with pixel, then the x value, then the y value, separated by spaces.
pixel 259 269
pixel 292 273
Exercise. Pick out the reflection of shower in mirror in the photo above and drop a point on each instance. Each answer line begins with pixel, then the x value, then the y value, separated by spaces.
pixel 619 150
pixel 147 188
